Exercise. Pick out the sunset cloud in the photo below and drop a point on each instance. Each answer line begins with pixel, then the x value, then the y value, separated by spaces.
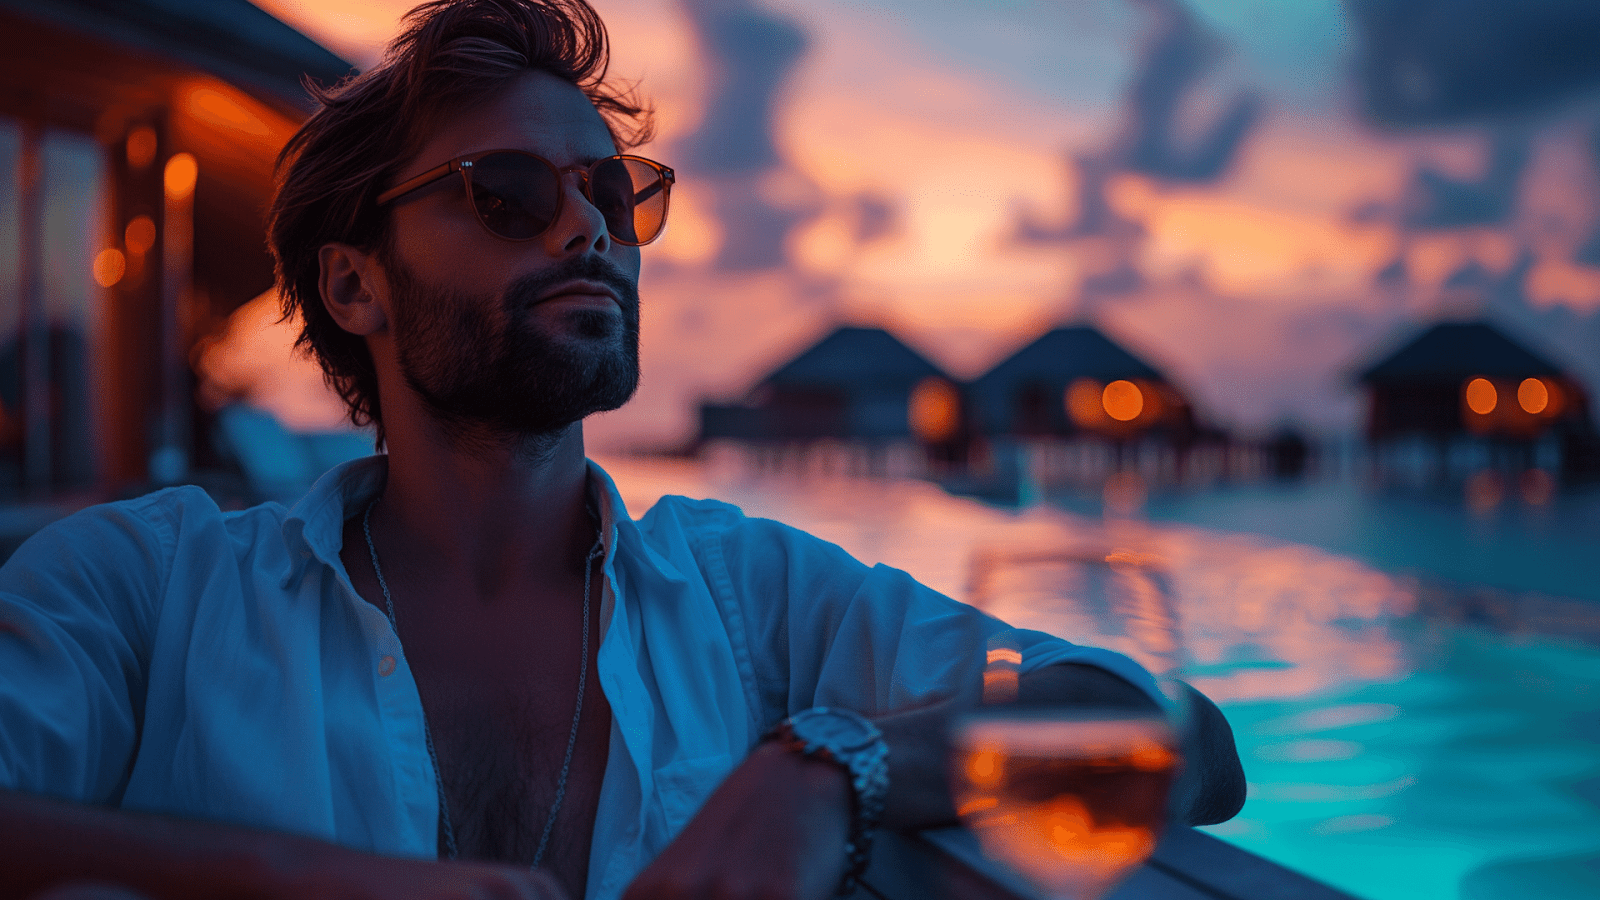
pixel 901 150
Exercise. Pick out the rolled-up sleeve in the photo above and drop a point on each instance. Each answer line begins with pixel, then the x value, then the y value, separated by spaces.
pixel 826 629
pixel 77 608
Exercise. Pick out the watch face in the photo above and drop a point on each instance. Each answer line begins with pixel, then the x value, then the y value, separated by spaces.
pixel 842 730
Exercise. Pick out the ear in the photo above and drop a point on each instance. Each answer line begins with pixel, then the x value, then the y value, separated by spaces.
pixel 353 288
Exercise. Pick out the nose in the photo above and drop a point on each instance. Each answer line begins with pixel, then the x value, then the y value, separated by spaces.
pixel 579 227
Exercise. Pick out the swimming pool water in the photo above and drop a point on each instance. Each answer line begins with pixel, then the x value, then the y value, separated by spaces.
pixel 1404 734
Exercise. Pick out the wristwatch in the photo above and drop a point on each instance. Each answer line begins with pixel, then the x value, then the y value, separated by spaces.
pixel 849 740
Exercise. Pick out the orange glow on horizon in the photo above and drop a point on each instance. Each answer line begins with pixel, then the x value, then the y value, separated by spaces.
pixel 109 267
pixel 1481 396
pixel 960 155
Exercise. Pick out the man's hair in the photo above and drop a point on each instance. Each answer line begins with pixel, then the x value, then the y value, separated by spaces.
pixel 449 55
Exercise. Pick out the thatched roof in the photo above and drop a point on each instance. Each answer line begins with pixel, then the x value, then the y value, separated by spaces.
pixel 1063 355
pixel 1451 351
pixel 855 358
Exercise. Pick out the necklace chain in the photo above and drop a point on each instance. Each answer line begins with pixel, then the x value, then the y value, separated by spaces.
pixel 595 552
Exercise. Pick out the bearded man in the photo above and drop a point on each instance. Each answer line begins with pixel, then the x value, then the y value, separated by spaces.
pixel 465 649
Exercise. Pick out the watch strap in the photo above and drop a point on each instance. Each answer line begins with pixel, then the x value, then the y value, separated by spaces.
pixel 864 760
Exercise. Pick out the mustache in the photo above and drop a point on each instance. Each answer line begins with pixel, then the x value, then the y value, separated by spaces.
pixel 526 290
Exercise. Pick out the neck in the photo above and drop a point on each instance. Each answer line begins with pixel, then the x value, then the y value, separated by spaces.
pixel 485 513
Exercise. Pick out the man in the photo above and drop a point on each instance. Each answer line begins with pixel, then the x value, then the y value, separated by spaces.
pixel 465 649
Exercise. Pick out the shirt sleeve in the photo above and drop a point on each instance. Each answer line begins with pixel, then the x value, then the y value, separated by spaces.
pixel 826 629
pixel 77 607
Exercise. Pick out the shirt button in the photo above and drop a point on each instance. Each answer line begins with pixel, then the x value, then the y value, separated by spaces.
pixel 386 666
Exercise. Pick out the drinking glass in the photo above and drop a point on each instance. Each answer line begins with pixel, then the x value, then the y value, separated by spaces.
pixel 1073 799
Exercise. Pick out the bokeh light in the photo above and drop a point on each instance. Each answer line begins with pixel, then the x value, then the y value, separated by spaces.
pixel 109 267
pixel 934 410
pixel 181 174
pixel 1122 400
pixel 140 235
pixel 1481 396
pixel 1533 396
pixel 141 147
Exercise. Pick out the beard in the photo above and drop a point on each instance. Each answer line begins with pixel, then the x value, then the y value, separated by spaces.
pixel 485 365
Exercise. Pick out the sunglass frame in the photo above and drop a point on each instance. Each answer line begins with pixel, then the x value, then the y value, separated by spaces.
pixel 464 165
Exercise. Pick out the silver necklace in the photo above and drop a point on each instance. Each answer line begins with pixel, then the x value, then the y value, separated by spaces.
pixel 595 552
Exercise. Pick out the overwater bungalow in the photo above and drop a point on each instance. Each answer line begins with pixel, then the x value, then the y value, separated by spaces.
pixel 1075 381
pixel 137 142
pixel 1468 384
pixel 856 385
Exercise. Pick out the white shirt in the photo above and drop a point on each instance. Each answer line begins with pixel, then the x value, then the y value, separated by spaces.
pixel 159 654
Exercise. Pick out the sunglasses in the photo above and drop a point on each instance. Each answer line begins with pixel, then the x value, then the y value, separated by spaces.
pixel 517 195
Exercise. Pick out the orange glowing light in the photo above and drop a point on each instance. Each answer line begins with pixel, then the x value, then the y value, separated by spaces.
pixel 1558 400
pixel 141 146
pixel 1122 400
pixel 140 235
pixel 217 108
pixel 181 174
pixel 1010 655
pixel 1000 685
pixel 934 410
pixel 1001 675
pixel 1149 756
pixel 1533 396
pixel 109 267
pixel 1083 403
pixel 986 768
pixel 1481 396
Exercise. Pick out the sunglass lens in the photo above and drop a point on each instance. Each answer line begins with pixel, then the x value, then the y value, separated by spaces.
pixel 632 195
pixel 515 194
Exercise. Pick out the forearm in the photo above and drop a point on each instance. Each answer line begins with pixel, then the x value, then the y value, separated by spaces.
pixel 44 842
pixel 1211 788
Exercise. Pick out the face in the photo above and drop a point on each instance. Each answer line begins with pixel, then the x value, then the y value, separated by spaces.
pixel 522 337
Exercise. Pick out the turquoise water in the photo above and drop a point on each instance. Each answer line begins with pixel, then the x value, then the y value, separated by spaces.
pixel 1415 687
pixel 1550 547
pixel 1476 772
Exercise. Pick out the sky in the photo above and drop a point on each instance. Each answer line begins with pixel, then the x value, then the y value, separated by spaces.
pixel 1198 179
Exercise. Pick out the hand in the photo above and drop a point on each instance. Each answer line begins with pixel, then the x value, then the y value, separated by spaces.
pixel 775 829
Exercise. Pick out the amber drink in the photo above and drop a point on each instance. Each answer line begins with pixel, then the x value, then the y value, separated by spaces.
pixel 1072 803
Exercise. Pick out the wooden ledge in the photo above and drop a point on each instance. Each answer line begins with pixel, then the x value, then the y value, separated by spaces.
pixel 1188 865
